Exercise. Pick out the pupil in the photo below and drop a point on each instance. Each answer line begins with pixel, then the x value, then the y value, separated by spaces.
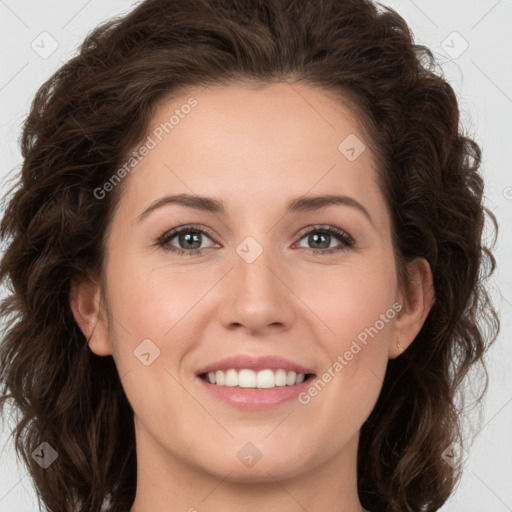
pixel 188 238
pixel 315 239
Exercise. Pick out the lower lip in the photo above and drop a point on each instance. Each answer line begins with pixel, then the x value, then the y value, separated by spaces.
pixel 255 398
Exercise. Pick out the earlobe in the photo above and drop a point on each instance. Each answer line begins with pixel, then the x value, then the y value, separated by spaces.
pixel 417 301
pixel 86 305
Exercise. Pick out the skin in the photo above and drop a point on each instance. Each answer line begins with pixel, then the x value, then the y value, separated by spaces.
pixel 255 150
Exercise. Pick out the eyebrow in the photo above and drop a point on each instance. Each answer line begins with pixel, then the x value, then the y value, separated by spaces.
pixel 301 204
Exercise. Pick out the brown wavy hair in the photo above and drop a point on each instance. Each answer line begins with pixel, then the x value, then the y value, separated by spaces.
pixel 96 108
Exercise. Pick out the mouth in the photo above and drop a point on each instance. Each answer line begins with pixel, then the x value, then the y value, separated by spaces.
pixel 247 381
pixel 250 379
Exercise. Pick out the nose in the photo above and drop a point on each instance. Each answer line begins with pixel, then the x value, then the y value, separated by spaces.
pixel 257 297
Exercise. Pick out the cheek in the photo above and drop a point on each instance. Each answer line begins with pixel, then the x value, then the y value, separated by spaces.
pixel 151 332
pixel 154 301
pixel 352 298
pixel 356 305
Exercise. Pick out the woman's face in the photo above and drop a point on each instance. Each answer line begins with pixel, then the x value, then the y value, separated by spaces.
pixel 281 272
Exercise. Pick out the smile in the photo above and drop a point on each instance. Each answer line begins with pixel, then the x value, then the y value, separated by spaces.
pixel 250 381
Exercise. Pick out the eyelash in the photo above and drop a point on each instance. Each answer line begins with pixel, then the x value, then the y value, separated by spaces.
pixel 163 241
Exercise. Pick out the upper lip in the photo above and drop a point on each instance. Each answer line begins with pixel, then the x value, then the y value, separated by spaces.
pixel 256 363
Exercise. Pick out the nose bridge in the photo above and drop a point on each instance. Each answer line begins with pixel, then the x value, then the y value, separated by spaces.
pixel 253 273
pixel 256 297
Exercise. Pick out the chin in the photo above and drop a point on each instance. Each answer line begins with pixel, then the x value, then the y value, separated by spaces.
pixel 262 471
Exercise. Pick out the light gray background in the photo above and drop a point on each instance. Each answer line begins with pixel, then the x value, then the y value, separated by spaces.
pixel 482 79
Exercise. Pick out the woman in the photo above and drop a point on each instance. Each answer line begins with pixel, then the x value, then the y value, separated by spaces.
pixel 246 265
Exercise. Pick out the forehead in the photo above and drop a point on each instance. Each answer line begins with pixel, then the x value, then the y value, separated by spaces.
pixel 245 143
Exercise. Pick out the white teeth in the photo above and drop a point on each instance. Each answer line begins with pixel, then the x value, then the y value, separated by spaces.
pixel 280 378
pixel 290 378
pixel 231 378
pixel 263 379
pixel 246 378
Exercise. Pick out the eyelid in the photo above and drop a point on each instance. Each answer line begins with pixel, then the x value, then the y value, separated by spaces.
pixel 191 227
pixel 171 233
pixel 323 227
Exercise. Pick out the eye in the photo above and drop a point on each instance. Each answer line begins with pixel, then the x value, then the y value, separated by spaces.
pixel 188 238
pixel 320 237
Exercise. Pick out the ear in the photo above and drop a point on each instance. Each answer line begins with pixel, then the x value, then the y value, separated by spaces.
pixel 87 306
pixel 417 300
